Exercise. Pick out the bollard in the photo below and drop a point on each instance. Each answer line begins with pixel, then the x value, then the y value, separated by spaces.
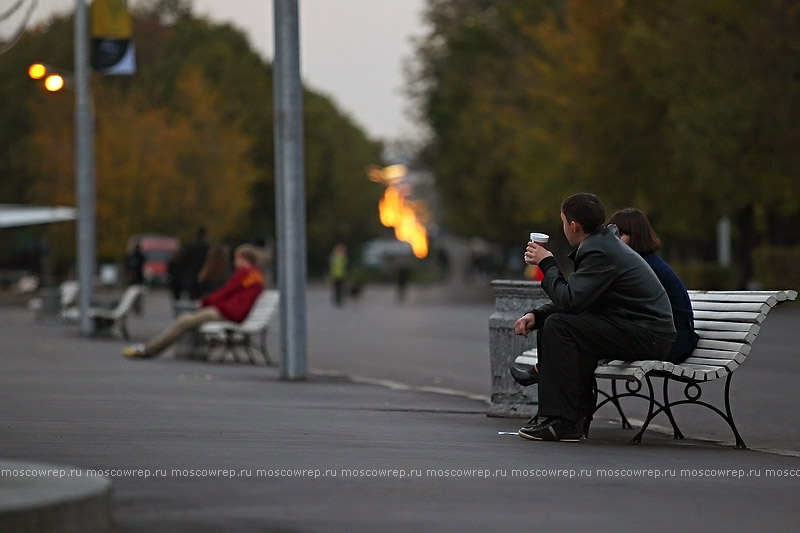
pixel 50 303
pixel 512 299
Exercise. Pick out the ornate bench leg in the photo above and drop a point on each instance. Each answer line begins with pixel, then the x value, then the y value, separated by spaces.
pixel 651 412
pixel 615 400
pixel 612 398
pixel 739 442
pixel 676 432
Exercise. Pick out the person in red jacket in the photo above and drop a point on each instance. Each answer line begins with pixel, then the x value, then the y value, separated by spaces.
pixel 232 301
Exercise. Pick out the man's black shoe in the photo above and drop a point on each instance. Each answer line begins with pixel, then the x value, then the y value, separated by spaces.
pixel 554 429
pixel 524 377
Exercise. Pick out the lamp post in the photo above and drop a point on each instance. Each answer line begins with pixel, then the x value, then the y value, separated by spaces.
pixel 290 189
pixel 84 159
pixel 84 167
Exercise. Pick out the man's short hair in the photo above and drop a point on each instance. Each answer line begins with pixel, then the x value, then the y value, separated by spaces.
pixel 585 209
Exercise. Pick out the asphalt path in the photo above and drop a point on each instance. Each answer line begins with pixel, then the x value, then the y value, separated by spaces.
pixel 364 445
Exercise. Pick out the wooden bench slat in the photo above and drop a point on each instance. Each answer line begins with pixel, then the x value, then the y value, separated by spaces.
pixel 724 345
pixel 699 361
pixel 526 360
pixel 735 336
pixel 781 295
pixel 749 307
pixel 719 325
pixel 709 359
pixel 730 316
pixel 719 355
pixel 708 372
pixel 771 300
pixel 630 371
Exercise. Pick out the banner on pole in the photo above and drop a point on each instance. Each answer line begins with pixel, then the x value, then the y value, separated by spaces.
pixel 113 50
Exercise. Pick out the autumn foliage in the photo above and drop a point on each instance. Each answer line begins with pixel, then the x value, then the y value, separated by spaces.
pixel 185 142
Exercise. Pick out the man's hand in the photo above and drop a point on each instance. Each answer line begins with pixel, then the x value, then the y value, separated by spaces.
pixel 524 324
pixel 534 253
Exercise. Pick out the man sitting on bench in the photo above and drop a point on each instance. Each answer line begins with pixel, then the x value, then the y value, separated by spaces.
pixel 231 302
pixel 612 306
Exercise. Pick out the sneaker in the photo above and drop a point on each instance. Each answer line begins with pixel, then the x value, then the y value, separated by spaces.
pixel 553 429
pixel 135 350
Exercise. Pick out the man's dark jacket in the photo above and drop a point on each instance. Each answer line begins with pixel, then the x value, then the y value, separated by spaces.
pixel 610 279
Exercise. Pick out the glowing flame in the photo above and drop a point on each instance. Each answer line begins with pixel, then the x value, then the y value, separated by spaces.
pixel 398 213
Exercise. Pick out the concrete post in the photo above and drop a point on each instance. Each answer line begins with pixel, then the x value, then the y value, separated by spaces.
pixel 512 299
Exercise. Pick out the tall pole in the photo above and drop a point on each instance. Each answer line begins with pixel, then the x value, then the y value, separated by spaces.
pixel 84 167
pixel 724 241
pixel 290 189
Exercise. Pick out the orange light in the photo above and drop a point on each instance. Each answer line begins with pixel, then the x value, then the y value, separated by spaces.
pixel 398 213
pixel 54 83
pixel 37 71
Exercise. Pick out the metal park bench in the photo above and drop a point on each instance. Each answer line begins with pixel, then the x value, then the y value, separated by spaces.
pixel 248 338
pixel 728 323
pixel 106 319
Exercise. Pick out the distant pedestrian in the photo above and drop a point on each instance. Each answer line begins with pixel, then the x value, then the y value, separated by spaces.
pixel 175 276
pixel 403 273
pixel 191 261
pixel 337 270
pixel 134 266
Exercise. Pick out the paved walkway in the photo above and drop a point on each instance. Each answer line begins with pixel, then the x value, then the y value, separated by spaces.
pixel 198 447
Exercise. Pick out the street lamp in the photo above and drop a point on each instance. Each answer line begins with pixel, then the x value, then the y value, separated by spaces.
pixel 37 71
pixel 54 83
pixel 84 162
pixel 53 79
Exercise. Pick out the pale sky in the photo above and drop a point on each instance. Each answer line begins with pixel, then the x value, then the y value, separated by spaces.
pixel 351 50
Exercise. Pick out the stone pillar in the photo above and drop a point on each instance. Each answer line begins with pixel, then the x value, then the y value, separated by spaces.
pixel 512 299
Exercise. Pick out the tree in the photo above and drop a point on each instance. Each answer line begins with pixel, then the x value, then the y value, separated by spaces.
pixel 477 86
pixel 187 141
pixel 681 108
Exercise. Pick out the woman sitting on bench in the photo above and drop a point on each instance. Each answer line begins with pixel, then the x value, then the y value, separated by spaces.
pixel 635 230
pixel 231 302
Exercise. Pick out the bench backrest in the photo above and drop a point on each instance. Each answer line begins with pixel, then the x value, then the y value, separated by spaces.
pixel 127 301
pixel 68 293
pixel 261 313
pixel 727 323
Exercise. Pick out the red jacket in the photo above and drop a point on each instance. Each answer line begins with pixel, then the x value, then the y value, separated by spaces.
pixel 238 295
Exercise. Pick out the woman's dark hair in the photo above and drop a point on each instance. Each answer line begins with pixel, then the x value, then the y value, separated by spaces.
pixel 217 264
pixel 634 223
pixel 585 209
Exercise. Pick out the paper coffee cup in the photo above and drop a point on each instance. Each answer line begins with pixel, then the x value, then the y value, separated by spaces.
pixel 540 238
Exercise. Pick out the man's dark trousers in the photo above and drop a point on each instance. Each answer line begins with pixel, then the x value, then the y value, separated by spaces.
pixel 569 347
